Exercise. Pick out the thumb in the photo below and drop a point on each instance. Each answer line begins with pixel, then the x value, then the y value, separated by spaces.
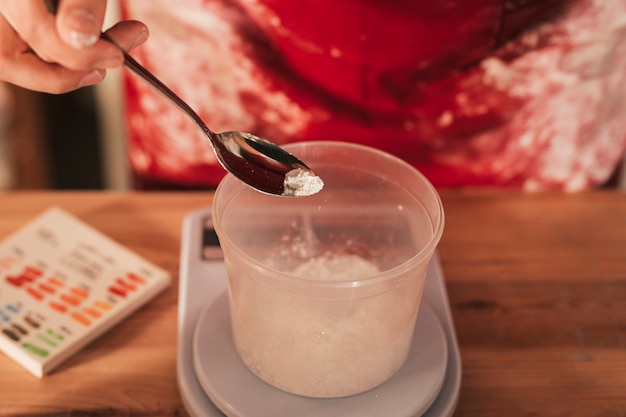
pixel 79 22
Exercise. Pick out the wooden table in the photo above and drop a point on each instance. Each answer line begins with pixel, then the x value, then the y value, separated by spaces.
pixel 537 285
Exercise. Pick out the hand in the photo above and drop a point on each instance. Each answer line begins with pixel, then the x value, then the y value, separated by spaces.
pixel 60 53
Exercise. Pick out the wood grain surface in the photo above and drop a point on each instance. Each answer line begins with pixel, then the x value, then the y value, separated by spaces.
pixel 537 284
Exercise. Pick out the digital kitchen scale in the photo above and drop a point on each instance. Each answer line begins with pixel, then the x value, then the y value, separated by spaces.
pixel 213 382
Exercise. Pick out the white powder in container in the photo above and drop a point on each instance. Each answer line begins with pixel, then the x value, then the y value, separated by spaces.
pixel 325 348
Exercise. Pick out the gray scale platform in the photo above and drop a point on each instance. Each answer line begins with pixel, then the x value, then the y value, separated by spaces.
pixel 216 384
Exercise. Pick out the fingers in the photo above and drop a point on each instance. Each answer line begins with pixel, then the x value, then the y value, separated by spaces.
pixel 37 27
pixel 56 54
pixel 20 66
pixel 71 37
pixel 79 24
pixel 34 74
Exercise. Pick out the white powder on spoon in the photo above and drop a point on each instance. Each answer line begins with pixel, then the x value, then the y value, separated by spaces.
pixel 301 182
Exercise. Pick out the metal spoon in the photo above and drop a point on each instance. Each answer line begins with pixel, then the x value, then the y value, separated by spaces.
pixel 255 161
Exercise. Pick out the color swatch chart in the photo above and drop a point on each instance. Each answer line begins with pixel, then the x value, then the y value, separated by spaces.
pixel 63 284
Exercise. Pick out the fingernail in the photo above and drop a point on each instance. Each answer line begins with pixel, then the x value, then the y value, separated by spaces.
pixel 141 38
pixel 94 77
pixel 80 28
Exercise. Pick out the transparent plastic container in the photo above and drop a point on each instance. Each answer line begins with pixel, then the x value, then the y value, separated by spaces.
pixel 324 290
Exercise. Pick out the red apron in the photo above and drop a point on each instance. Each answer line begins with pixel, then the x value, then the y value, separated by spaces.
pixel 528 94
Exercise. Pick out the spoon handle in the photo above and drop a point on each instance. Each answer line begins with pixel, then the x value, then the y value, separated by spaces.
pixel 150 78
